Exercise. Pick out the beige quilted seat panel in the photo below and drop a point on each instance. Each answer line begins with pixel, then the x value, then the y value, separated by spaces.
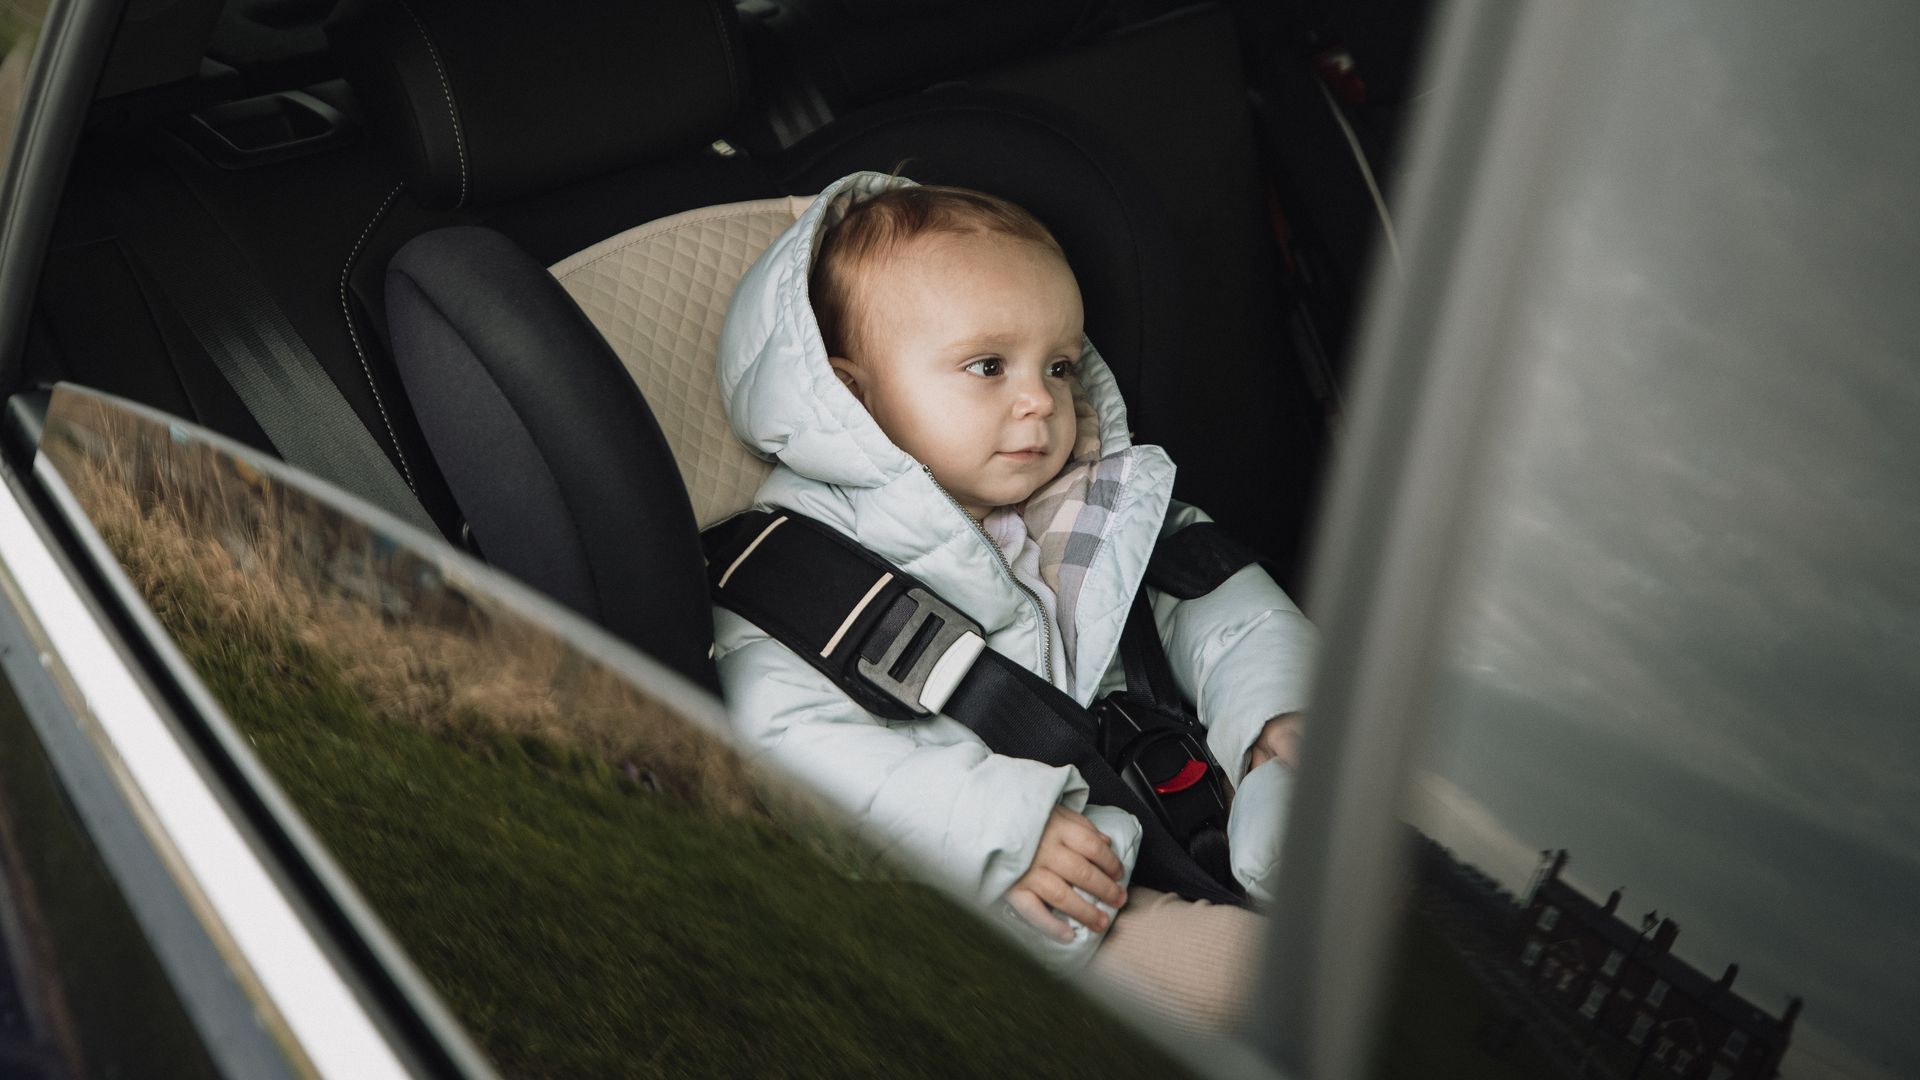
pixel 658 293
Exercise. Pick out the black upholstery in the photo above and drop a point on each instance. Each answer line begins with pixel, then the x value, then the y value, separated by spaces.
pixel 1112 227
pixel 1182 299
pixel 484 100
pixel 547 445
pixel 552 455
pixel 818 59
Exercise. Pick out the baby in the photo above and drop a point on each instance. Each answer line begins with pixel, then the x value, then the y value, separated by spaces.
pixel 913 359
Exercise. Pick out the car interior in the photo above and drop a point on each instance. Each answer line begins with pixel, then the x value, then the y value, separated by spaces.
pixel 261 182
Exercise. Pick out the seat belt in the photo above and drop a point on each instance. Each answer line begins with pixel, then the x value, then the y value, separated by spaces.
pixel 903 653
pixel 254 346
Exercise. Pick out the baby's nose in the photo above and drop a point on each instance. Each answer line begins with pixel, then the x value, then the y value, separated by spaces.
pixel 1034 399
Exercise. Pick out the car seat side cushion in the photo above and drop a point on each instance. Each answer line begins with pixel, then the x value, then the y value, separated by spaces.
pixel 551 452
pixel 482 100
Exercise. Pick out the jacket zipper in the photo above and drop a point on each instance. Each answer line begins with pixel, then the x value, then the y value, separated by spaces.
pixel 1039 609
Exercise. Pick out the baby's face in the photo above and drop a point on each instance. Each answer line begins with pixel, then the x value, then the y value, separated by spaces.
pixel 968 346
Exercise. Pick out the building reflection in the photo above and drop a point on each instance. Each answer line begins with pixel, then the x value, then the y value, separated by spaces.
pixel 1556 983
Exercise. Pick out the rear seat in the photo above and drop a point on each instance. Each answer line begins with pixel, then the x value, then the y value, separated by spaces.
pixel 553 133
pixel 542 451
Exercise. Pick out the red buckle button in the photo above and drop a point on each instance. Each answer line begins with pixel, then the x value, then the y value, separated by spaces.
pixel 1189 775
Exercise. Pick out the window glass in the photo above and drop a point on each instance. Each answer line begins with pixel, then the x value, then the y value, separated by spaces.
pixel 589 877
pixel 20 22
pixel 1642 1024
pixel 1680 657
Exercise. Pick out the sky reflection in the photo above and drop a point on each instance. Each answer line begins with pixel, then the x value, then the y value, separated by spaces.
pixel 1690 649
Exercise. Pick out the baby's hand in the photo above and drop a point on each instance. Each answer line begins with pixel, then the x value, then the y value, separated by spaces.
pixel 1279 739
pixel 1072 852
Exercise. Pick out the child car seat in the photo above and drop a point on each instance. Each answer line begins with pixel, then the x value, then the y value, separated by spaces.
pixel 550 450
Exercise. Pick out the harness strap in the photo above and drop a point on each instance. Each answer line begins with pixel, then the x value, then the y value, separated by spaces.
pixel 901 652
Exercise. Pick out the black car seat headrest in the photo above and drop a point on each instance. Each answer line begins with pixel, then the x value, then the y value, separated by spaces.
pixel 546 442
pixel 486 100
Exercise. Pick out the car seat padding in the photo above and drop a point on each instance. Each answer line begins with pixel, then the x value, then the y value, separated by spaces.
pixel 658 294
pixel 547 445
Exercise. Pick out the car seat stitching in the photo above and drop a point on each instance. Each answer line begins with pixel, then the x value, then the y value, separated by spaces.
pixel 611 252
pixel 726 47
pixel 354 334
pixel 446 88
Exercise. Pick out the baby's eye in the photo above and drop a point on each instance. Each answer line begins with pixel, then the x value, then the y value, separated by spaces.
pixel 986 366
pixel 1062 369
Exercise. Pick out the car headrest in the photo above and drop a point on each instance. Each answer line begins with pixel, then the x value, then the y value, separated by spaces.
pixel 485 100
pixel 658 294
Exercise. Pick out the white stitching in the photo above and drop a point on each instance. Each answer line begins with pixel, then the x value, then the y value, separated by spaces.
pixel 354 334
pixel 459 140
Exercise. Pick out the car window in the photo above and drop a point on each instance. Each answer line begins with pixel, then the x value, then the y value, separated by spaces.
pixel 1666 817
pixel 551 828
pixel 19 31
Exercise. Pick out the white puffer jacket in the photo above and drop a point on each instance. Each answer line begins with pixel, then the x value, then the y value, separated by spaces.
pixel 931 790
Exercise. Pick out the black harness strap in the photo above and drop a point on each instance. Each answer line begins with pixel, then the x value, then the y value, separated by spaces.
pixel 901 652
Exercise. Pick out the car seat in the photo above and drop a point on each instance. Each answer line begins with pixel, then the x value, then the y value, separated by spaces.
pixel 534 400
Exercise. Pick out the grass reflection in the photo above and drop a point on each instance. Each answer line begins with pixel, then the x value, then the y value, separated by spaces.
pixel 594 885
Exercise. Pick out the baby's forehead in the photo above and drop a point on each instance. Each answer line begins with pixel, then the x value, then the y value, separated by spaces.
pixel 936 252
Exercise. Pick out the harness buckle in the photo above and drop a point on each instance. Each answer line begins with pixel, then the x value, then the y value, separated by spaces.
pixel 927 658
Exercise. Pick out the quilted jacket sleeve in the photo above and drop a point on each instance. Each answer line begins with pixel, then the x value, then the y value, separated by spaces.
pixel 930 789
pixel 1242 654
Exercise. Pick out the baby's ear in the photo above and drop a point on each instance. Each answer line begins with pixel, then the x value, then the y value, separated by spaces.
pixel 849 376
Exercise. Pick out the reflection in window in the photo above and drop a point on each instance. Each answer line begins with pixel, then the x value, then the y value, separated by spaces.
pixel 1595 997
pixel 1657 993
pixel 1697 530
pixel 594 883
pixel 20 22
pixel 1641 1025
pixel 1612 965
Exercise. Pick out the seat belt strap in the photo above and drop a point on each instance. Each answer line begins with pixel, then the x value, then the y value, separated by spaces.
pixel 256 349
pixel 901 652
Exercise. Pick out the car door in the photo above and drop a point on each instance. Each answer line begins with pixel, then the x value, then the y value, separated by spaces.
pixel 496 837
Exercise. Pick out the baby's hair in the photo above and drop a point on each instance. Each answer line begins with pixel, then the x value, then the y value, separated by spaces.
pixel 879 225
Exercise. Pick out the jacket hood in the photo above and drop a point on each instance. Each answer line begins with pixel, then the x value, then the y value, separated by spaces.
pixel 782 396
pixel 1095 523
